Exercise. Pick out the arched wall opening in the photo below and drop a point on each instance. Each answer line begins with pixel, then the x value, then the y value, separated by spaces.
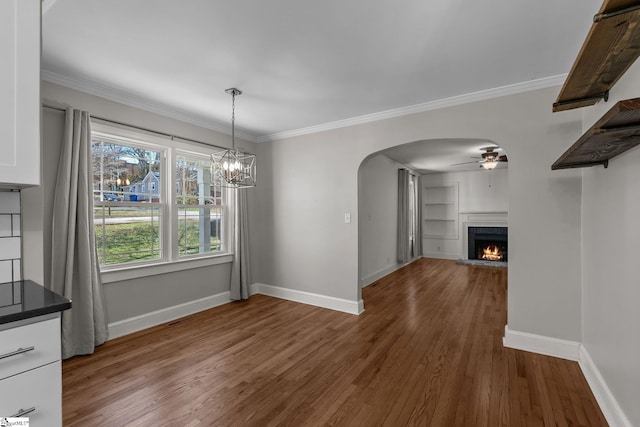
pixel 306 245
pixel 451 165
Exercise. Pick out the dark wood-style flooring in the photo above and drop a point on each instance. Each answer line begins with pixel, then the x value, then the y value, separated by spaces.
pixel 427 351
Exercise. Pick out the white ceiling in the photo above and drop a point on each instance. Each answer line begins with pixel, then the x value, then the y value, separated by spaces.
pixel 303 63
pixel 443 155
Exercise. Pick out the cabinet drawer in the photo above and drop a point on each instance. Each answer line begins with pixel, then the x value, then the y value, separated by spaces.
pixel 43 336
pixel 40 389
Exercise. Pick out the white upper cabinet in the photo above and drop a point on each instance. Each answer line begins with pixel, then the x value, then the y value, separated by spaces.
pixel 19 93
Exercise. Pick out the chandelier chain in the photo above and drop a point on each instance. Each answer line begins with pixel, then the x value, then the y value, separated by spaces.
pixel 233 120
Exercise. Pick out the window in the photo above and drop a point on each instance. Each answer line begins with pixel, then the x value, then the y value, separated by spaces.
pixel 199 207
pixel 126 229
pixel 136 220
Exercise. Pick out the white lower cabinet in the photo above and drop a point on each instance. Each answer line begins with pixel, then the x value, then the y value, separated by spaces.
pixel 36 394
pixel 31 371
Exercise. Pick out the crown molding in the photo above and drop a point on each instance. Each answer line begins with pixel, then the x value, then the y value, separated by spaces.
pixel 482 95
pixel 123 97
pixel 118 95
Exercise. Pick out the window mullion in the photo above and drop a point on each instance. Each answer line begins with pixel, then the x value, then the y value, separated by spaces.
pixel 171 206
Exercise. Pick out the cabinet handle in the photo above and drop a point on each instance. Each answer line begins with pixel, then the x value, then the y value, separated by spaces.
pixel 23 412
pixel 17 352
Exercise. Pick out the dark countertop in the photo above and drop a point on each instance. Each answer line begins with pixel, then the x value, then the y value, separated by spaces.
pixel 25 299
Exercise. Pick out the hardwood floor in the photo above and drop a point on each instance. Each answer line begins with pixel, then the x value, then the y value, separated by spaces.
pixel 427 351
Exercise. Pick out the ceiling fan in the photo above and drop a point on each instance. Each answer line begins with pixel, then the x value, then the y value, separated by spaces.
pixel 489 159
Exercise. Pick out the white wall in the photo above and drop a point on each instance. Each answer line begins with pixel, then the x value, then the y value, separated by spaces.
pixel 378 217
pixel 302 241
pixel 480 191
pixel 611 288
pixel 128 298
pixel 309 247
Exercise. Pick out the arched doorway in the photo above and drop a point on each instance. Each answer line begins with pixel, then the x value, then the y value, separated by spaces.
pixel 460 189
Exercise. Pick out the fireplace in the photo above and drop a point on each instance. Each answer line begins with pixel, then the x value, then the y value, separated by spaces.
pixel 488 243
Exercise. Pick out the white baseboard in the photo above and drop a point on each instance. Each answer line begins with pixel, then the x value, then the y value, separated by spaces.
pixel 154 318
pixel 158 317
pixel 575 351
pixel 440 255
pixel 607 401
pixel 548 346
pixel 338 304
pixel 366 281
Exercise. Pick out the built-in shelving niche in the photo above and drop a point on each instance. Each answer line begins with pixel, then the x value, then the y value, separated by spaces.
pixel 616 132
pixel 440 211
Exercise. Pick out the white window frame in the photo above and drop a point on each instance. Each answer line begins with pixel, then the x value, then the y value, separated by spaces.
pixel 226 207
pixel 170 260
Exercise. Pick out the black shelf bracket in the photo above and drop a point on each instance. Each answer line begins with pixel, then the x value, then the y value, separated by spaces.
pixel 597 97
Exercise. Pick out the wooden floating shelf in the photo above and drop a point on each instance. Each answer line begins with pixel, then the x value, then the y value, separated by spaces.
pixel 611 47
pixel 616 132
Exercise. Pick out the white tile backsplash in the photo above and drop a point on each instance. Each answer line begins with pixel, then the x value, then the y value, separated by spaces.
pixel 17 269
pixel 6 229
pixel 10 241
pixel 10 248
pixel 6 271
pixel 16 224
pixel 9 202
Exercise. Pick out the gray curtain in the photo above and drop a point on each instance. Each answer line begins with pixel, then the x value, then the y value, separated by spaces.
pixel 74 263
pixel 404 244
pixel 240 270
pixel 417 244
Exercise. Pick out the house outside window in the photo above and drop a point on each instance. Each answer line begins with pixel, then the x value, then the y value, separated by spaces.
pixel 137 221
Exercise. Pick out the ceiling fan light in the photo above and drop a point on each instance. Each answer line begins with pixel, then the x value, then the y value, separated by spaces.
pixel 491 164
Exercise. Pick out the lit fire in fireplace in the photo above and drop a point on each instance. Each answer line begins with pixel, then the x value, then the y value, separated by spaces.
pixel 492 253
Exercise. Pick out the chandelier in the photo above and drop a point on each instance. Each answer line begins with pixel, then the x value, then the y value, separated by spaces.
pixel 233 168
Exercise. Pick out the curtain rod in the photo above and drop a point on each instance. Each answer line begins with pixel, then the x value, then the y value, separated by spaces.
pixel 172 137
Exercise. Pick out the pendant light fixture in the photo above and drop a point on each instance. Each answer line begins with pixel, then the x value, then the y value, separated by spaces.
pixel 233 168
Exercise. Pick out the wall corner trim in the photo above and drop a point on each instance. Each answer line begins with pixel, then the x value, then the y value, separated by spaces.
pixel 608 404
pixel 540 344
pixel 338 304
pixel 158 317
